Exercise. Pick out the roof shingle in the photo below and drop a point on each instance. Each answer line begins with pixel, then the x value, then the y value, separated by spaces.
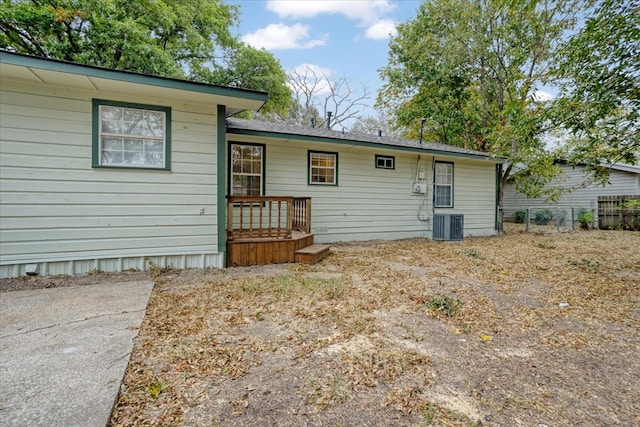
pixel 285 130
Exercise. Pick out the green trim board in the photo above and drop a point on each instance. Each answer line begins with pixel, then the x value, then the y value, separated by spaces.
pixel 335 169
pixel 497 210
pixel 95 121
pixel 127 76
pixel 351 143
pixel 221 183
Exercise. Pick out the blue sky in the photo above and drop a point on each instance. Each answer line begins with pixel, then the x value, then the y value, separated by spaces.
pixel 340 38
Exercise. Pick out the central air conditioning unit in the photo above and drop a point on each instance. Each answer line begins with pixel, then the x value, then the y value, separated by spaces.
pixel 448 227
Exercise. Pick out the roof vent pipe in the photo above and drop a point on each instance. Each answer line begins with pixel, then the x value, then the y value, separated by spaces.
pixel 422 129
pixel 329 113
pixel 313 121
pixel 379 133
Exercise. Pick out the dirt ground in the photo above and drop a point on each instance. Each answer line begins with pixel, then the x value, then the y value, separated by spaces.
pixel 516 330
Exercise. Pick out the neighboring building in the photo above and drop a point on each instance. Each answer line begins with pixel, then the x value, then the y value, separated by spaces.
pixel 624 180
pixel 108 170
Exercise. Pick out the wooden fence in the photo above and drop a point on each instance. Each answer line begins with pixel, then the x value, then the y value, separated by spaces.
pixel 619 212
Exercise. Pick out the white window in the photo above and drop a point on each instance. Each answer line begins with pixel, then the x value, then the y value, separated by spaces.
pixel 130 135
pixel 247 169
pixel 385 162
pixel 323 168
pixel 443 185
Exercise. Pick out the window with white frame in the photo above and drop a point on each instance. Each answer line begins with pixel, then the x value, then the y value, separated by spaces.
pixel 385 162
pixel 131 135
pixel 246 169
pixel 443 183
pixel 323 168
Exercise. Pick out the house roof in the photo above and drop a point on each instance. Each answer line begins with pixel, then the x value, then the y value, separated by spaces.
pixel 14 66
pixel 287 131
pixel 625 168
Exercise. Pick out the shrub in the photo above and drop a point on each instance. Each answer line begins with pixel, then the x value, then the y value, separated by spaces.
pixel 543 216
pixel 585 217
pixel 444 305
pixel 631 204
pixel 519 216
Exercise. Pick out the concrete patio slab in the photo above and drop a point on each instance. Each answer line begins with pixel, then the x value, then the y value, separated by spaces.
pixel 64 351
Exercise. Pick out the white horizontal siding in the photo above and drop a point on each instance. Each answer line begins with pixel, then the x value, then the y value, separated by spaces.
pixel 371 203
pixel 620 183
pixel 474 196
pixel 55 207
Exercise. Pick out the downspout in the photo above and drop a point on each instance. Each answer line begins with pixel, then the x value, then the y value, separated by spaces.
pixel 222 183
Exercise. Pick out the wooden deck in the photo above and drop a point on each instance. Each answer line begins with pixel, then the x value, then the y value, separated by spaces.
pixel 267 251
pixel 270 230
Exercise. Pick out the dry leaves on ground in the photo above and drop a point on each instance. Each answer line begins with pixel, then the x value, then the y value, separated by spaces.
pixel 521 329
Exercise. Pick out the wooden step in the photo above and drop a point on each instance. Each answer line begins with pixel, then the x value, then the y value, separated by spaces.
pixel 312 254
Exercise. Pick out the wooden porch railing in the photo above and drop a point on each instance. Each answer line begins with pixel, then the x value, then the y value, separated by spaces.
pixel 302 214
pixel 274 217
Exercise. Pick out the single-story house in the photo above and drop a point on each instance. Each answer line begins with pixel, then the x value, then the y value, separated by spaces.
pixel 624 180
pixel 105 170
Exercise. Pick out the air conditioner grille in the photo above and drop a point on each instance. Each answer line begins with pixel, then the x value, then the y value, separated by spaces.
pixel 448 227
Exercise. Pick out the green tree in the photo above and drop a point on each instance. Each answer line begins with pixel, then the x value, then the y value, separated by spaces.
pixel 600 98
pixel 256 69
pixel 472 69
pixel 172 38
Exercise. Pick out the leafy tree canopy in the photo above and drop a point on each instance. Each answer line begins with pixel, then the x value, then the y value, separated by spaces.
pixel 472 69
pixel 600 98
pixel 172 38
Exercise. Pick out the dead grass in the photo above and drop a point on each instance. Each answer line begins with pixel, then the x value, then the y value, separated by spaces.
pixel 410 332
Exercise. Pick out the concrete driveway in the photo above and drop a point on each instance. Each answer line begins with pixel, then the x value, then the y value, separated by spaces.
pixel 64 351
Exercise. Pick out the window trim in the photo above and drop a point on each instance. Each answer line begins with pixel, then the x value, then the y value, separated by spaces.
pixel 96 140
pixel 435 184
pixel 335 169
pixel 382 156
pixel 230 166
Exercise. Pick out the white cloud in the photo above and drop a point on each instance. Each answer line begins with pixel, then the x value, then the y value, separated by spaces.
pixel 369 14
pixel 381 30
pixel 313 76
pixel 541 96
pixel 364 11
pixel 281 36
pixel 316 69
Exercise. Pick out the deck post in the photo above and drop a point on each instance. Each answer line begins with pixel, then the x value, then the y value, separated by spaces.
pixel 289 217
pixel 307 224
pixel 229 219
pixel 270 216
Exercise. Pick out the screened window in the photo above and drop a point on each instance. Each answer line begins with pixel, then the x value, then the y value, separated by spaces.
pixel 131 135
pixel 323 168
pixel 443 185
pixel 385 162
pixel 247 169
